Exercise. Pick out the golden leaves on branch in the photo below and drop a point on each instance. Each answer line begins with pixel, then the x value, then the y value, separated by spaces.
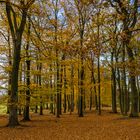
pixel 122 17
pixel 8 69
pixel 132 67
pixel 124 36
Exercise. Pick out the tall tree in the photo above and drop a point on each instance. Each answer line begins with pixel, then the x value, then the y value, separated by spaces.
pixel 17 30
pixel 128 10
pixel 28 65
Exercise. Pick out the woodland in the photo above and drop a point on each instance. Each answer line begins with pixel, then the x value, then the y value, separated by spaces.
pixel 69 69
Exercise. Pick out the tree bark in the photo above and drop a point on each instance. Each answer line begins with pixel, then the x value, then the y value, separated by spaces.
pixel 28 65
pixel 16 32
pixel 114 106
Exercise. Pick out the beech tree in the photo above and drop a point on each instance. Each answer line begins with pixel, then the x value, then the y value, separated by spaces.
pixel 16 29
pixel 128 12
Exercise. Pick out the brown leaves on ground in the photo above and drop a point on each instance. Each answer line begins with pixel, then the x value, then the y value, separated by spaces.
pixel 70 127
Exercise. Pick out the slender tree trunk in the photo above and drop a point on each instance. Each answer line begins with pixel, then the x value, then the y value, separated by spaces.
pixel 40 84
pixel 119 86
pixel 51 89
pixel 99 88
pixel 95 91
pixel 35 82
pixel 98 67
pixel 90 100
pixel 58 86
pixel 28 65
pixel 65 96
pixel 57 61
pixel 114 106
pixel 94 82
pixel 72 88
pixel 36 109
pixel 81 97
pixel 138 87
pixel 124 85
pixel 61 83
pixel 20 92
pixel 27 108
pixel 9 74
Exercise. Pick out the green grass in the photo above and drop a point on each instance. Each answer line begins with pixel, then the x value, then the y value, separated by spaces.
pixel 3 109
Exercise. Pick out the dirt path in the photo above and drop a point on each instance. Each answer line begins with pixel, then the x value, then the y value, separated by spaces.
pixel 70 127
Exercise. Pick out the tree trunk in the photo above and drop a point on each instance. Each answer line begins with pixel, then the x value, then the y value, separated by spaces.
pixel 16 32
pixel 61 84
pixel 28 64
pixel 40 84
pixel 65 96
pixel 72 88
pixel 9 74
pixel 99 88
pixel 36 109
pixel 114 106
pixel 51 89
pixel 81 96
pixel 13 106
pixel 134 93
pixel 58 86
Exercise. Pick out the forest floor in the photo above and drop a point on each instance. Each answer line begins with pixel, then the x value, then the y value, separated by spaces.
pixel 108 126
